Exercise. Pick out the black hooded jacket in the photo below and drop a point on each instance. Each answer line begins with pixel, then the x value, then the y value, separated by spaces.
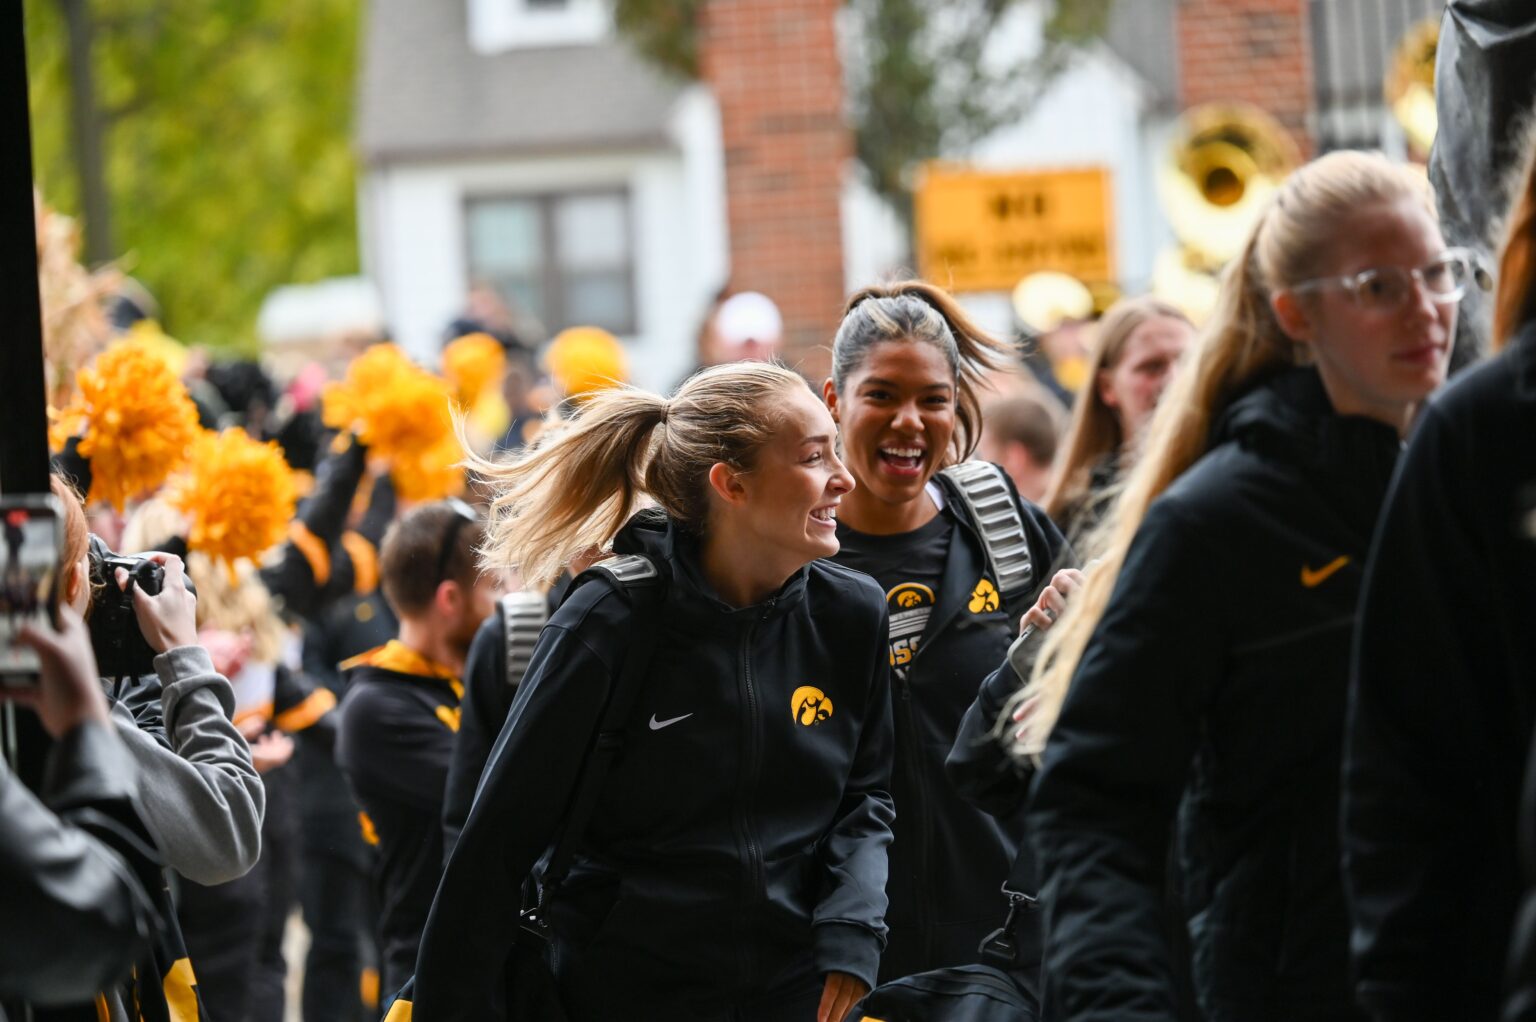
pixel 1217 679
pixel 950 858
pixel 1442 706
pixel 737 843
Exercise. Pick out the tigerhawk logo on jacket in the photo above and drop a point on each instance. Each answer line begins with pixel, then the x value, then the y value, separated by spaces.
pixel 810 706
pixel 984 598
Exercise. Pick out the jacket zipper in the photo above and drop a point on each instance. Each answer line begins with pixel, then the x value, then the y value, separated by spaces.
pixel 924 914
pixel 753 879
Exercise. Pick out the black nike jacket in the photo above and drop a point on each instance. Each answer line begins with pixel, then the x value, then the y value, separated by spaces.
pixel 739 843
pixel 1214 688
pixel 950 858
pixel 393 742
pixel 1442 708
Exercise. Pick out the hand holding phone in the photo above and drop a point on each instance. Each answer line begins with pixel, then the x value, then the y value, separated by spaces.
pixel 31 526
pixel 69 692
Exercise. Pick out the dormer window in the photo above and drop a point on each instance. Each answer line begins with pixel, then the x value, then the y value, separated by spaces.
pixel 496 26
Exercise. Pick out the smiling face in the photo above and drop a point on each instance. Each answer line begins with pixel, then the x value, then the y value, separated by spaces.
pixel 1379 364
pixel 789 498
pixel 896 416
pixel 1130 388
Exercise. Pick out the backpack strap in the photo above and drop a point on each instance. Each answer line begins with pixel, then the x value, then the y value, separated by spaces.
pixel 523 615
pixel 642 585
pixel 990 502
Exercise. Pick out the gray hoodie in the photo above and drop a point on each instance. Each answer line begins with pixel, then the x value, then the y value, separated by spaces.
pixel 202 799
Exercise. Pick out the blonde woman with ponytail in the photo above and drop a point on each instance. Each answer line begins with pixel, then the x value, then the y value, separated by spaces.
pixel 1202 670
pixel 735 864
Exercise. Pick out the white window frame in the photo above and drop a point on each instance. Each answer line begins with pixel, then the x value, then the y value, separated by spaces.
pixel 551 280
pixel 496 26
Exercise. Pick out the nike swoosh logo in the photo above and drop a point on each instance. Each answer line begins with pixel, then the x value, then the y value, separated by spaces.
pixel 1312 578
pixel 657 725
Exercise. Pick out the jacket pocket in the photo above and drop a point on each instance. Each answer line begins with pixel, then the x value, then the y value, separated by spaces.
pixel 584 904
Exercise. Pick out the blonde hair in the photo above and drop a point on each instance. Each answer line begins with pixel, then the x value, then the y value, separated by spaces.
pixel 916 311
pixel 1095 430
pixel 1242 344
pixel 578 485
pixel 150 525
pixel 233 598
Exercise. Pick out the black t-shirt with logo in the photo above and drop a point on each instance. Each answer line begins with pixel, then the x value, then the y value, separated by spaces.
pixel 909 566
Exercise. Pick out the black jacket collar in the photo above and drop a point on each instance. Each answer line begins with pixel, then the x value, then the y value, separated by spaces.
pixel 689 595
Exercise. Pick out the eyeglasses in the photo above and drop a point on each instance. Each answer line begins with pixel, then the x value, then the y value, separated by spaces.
pixel 1389 288
pixel 463 515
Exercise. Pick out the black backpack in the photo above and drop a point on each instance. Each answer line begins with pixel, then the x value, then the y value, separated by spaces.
pixel 1002 987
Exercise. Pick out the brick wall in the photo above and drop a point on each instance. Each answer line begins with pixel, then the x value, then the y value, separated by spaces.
pixel 773 66
pixel 1255 51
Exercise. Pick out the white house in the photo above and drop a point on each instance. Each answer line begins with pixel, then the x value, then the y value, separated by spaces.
pixel 517 142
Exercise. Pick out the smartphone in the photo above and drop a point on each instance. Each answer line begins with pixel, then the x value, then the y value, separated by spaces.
pixel 33 526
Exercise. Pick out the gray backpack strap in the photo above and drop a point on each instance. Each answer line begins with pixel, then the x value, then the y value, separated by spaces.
pixel 989 500
pixel 628 569
pixel 523 616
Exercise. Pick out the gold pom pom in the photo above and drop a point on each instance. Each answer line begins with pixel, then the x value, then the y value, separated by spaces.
pixel 238 495
pixel 473 364
pixel 432 474
pixel 401 412
pixel 393 405
pixel 137 421
pixel 585 359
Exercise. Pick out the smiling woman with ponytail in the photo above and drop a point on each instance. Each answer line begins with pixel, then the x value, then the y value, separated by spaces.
pixel 1202 671
pixel 734 863
pixel 907 364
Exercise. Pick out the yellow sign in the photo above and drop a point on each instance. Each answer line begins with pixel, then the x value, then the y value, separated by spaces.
pixel 985 231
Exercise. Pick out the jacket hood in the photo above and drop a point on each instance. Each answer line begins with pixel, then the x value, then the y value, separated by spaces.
pixel 1289 417
pixel 652 533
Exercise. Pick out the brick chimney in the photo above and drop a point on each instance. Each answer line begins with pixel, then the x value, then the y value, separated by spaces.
pixel 775 71
pixel 1253 51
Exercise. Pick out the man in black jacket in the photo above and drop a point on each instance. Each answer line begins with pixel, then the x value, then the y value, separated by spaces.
pixel 402 710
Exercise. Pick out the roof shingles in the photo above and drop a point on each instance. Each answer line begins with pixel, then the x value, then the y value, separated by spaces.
pixel 425 93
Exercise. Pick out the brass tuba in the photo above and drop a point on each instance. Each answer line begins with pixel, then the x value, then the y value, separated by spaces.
pixel 1225 161
pixel 1409 88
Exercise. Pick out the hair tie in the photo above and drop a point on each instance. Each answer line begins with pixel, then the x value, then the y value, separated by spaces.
pixel 666 409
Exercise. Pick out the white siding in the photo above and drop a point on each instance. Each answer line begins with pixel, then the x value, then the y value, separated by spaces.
pixel 416 250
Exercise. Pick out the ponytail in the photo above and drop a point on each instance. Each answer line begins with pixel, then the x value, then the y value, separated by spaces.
pixel 584 478
pixel 914 310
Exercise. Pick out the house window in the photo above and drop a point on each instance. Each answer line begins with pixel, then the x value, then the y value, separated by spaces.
pixel 564 259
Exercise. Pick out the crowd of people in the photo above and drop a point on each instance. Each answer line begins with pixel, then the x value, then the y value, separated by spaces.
pixel 774 699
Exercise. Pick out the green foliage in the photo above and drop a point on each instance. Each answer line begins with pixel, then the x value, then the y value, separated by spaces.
pixel 663 30
pixel 924 84
pixel 920 84
pixel 227 132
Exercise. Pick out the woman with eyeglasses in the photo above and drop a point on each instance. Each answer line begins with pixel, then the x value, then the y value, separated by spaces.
pixel 1199 677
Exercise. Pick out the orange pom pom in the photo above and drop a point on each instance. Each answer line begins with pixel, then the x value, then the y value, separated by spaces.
pixel 472 365
pixel 393 405
pixel 432 474
pixel 401 412
pixel 238 495
pixel 138 422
